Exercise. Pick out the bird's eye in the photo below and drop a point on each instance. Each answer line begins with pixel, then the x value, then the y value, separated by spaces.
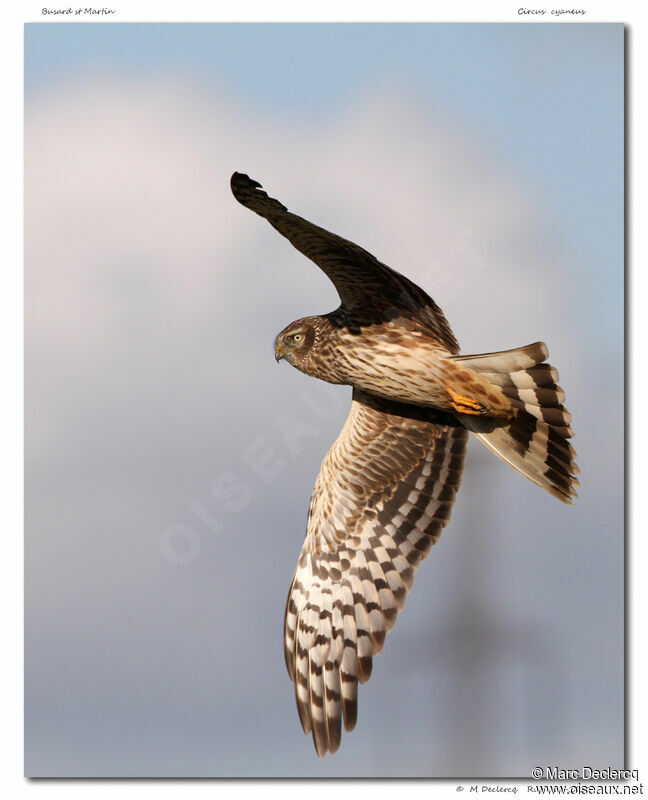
pixel 297 337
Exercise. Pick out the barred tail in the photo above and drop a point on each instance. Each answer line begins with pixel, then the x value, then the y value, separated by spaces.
pixel 535 441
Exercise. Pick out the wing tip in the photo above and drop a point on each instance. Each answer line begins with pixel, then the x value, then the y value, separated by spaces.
pixel 250 193
pixel 243 186
pixel 240 180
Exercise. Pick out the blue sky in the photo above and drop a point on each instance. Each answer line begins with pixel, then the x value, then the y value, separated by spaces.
pixel 548 75
pixel 536 94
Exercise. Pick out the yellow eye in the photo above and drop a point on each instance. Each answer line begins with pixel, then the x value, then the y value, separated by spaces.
pixel 297 337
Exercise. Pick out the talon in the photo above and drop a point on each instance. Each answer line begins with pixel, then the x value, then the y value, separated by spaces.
pixel 464 405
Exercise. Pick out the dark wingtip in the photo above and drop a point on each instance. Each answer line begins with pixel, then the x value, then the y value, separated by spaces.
pixel 241 184
pixel 241 179
pixel 250 193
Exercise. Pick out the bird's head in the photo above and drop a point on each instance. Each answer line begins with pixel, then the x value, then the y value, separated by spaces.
pixel 295 342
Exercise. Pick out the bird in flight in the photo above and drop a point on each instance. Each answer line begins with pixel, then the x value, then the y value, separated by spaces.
pixel 386 487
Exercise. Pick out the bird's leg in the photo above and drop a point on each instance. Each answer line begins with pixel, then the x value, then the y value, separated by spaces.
pixel 464 405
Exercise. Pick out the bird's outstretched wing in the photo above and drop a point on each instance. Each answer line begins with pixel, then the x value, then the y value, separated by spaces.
pixel 384 492
pixel 369 288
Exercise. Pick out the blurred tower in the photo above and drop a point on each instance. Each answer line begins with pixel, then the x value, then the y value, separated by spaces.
pixel 500 698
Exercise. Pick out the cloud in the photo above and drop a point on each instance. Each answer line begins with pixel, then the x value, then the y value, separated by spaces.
pixel 152 300
pixel 134 243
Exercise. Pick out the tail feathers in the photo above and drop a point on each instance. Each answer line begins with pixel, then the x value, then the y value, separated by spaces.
pixel 532 448
pixel 535 441
pixel 507 360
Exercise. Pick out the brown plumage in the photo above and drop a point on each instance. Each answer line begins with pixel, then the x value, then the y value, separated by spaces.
pixel 387 485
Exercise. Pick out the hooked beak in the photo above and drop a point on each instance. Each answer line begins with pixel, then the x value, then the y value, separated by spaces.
pixel 279 352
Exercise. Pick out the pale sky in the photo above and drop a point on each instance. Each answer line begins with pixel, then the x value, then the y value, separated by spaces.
pixel 483 161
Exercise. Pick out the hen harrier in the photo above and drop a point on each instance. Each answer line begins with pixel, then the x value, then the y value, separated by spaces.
pixel 386 487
